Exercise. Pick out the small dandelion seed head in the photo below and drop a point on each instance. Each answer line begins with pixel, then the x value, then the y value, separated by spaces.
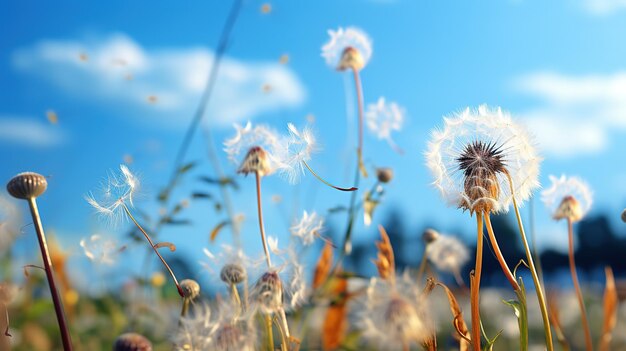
pixel 295 149
pixel 233 274
pixel 383 118
pixel 268 293
pixel 132 342
pixel 254 149
pixel 348 48
pixel 308 227
pixel 384 174
pixel 191 288
pixel 27 185
pixel 448 253
pixel 118 191
pixel 567 197
pixel 473 155
pixel 430 235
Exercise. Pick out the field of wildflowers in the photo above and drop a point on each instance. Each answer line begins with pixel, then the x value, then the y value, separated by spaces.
pixel 320 288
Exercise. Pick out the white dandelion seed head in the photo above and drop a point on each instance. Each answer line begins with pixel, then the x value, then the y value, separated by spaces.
pixel 487 130
pixel 383 118
pixel 248 138
pixel 296 149
pixel 564 186
pixel 99 249
pixel 224 330
pixel 447 253
pixel 308 227
pixel 117 191
pixel 341 39
pixel 392 318
pixel 282 286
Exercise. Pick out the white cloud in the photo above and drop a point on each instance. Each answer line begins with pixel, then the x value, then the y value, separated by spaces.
pixel 604 7
pixel 30 132
pixel 576 114
pixel 118 72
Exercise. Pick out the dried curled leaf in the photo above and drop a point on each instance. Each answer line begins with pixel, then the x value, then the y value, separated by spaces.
pixel 217 229
pixel 610 310
pixel 385 259
pixel 336 321
pixel 323 266
pixel 169 245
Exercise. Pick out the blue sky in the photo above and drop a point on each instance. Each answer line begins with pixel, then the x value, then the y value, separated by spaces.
pixel 557 66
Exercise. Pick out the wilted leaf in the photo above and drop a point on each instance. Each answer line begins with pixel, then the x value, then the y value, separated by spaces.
pixel 169 245
pixel 186 167
pixel 610 310
pixel 323 266
pixel 201 195
pixel 217 229
pixel 519 306
pixel 385 259
pixel 336 321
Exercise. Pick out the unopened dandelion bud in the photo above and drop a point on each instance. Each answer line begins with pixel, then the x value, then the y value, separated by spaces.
pixel 191 288
pixel 132 342
pixel 624 216
pixel 256 161
pixel 384 174
pixel 430 235
pixel 233 274
pixel 351 58
pixel 27 185
pixel 268 292
pixel 569 209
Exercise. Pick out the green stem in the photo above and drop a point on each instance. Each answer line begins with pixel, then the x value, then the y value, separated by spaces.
pixel 533 271
pixel 260 213
pixel 269 332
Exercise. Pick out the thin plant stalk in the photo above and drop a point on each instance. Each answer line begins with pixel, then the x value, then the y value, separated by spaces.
pixel 260 213
pixel 359 97
pixel 498 254
pixel 533 271
pixel 324 181
pixel 235 295
pixel 579 293
pixel 475 283
pixel 269 331
pixel 145 234
pixel 47 263
pixel 185 308
pixel 422 267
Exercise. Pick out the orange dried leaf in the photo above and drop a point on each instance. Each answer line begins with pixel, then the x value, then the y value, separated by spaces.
pixel 52 117
pixel 169 245
pixel 216 230
pixel 458 322
pixel 385 260
pixel 336 321
pixel 323 266
pixel 610 310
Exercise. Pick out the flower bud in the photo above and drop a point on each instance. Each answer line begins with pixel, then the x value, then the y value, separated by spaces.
pixel 191 288
pixel 384 174
pixel 132 342
pixel 430 235
pixel 256 161
pixel 27 185
pixel 233 273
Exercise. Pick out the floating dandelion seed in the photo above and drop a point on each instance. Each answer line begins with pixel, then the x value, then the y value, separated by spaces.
pixel 99 249
pixel 348 48
pixel 308 227
pixel 83 57
pixel 284 59
pixel 153 99
pixel 52 117
pixel 471 156
pixel 267 88
pixel 383 118
pixel 231 264
pixel 448 254
pixel 118 190
pixel 567 197
pixel 296 151
pixel 266 8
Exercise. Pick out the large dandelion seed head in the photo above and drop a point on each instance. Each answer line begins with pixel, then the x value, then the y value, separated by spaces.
pixel 471 156
pixel 308 228
pixel 348 48
pixel 567 197
pixel 384 117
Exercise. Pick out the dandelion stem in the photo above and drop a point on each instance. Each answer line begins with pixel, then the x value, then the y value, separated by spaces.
pixel 498 253
pixel 47 263
pixel 185 308
pixel 269 331
pixel 324 181
pixel 359 97
pixel 422 267
pixel 261 225
pixel 475 283
pixel 579 293
pixel 533 271
pixel 235 295
pixel 145 234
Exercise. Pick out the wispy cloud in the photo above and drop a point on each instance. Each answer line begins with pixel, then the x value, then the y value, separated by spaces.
pixel 30 132
pixel 575 115
pixel 160 85
pixel 604 7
